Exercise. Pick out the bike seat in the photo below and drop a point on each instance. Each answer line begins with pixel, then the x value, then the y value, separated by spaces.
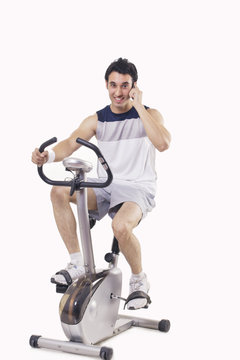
pixel 73 164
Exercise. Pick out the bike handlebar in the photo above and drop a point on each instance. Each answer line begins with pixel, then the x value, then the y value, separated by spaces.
pixel 82 184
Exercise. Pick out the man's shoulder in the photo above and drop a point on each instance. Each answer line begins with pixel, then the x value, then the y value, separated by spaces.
pixel 103 113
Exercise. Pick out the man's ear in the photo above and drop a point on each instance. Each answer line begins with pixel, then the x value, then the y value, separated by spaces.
pixel 106 84
pixel 134 84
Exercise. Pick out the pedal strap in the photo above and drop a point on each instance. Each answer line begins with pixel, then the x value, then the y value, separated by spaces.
pixel 66 275
pixel 138 295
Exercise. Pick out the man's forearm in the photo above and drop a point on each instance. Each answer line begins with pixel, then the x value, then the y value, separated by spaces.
pixel 156 132
pixel 63 149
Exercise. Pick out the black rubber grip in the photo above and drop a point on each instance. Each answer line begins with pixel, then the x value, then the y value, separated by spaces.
pixel 33 341
pixel 106 353
pixel 47 143
pixel 164 325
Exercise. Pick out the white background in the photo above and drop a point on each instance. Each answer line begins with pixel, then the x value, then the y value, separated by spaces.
pixel 53 58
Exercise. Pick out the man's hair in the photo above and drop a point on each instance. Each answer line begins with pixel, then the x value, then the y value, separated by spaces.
pixel 122 66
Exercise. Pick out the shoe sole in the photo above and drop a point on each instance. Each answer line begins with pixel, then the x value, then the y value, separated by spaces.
pixel 142 307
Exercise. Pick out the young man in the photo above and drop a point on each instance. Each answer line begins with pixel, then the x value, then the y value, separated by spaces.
pixel 128 134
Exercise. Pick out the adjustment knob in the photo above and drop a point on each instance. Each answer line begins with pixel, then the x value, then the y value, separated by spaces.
pixel 108 257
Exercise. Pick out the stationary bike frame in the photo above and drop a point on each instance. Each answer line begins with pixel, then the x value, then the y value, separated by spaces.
pixel 80 187
pixel 89 308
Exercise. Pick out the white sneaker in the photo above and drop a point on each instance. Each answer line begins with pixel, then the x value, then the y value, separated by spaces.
pixel 68 275
pixel 141 284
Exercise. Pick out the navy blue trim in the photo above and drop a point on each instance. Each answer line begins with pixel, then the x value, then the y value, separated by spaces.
pixel 106 114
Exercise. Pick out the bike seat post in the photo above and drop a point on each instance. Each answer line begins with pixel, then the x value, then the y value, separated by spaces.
pixel 81 168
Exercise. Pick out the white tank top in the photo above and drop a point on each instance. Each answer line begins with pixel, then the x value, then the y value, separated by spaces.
pixel 130 154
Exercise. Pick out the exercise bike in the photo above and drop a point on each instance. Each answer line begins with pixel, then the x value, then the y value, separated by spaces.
pixel 89 307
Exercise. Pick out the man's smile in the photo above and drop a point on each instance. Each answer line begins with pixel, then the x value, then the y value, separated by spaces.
pixel 119 99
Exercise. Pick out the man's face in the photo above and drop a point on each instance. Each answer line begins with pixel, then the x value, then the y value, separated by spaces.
pixel 119 86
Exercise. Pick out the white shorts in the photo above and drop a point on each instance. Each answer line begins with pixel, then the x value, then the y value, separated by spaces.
pixel 111 198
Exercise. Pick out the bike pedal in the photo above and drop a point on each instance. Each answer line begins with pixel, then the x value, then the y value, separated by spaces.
pixel 61 288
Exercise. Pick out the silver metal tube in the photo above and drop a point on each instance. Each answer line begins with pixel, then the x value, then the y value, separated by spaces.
pixel 114 263
pixel 69 346
pixel 145 323
pixel 84 228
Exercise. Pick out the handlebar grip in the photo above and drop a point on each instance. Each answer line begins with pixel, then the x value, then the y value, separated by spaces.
pixel 47 143
pixel 89 145
pixel 40 169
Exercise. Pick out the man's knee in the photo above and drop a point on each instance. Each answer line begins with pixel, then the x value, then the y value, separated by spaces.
pixel 122 231
pixel 59 194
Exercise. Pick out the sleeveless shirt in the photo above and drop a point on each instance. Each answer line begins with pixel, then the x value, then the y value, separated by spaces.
pixel 124 143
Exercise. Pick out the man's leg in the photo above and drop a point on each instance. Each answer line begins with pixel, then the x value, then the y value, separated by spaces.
pixel 64 217
pixel 126 219
pixel 66 223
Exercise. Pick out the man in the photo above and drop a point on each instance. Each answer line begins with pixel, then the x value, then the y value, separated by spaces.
pixel 128 134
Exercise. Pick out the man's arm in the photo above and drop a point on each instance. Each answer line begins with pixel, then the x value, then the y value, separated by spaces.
pixel 153 125
pixel 65 148
pixel 86 131
pixel 152 122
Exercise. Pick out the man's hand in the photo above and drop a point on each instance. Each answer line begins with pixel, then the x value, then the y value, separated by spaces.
pixel 39 158
pixel 136 96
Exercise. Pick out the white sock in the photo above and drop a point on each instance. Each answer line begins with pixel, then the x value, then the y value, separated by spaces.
pixel 138 276
pixel 76 258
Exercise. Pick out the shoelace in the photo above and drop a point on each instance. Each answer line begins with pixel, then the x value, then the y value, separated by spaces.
pixel 135 285
pixel 77 270
pixel 71 266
